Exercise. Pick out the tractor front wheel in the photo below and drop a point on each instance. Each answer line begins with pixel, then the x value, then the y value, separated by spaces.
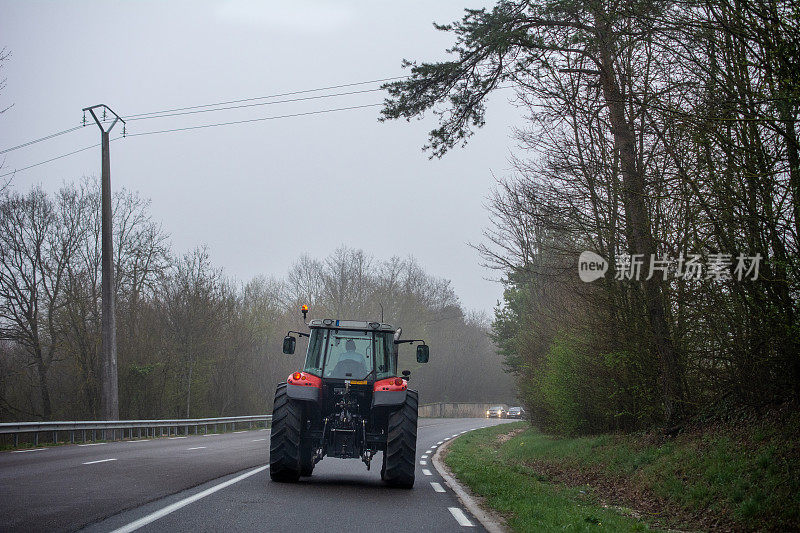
pixel 401 444
pixel 284 446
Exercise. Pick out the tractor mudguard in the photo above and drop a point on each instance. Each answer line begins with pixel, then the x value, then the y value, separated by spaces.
pixel 302 393
pixel 388 397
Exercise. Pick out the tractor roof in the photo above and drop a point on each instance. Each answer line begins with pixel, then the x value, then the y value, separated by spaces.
pixel 362 325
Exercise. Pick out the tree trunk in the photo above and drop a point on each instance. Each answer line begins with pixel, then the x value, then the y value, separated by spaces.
pixel 642 242
pixel 47 411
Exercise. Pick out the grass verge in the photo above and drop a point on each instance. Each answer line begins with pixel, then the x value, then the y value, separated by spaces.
pixel 527 500
pixel 722 478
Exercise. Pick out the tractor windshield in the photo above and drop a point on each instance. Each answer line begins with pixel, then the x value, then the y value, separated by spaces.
pixel 347 354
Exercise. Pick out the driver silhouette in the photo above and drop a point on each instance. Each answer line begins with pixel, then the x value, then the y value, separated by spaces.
pixel 351 363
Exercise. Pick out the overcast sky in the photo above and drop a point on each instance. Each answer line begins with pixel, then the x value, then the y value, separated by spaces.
pixel 261 194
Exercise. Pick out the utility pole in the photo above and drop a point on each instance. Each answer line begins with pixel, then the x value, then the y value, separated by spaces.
pixel 109 389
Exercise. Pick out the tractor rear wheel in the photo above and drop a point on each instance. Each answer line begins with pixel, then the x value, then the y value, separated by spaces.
pixel 401 444
pixel 284 446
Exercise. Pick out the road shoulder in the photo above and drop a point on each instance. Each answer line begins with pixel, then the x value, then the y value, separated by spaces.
pixel 490 520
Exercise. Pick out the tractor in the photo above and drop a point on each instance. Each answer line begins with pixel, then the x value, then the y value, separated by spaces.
pixel 346 402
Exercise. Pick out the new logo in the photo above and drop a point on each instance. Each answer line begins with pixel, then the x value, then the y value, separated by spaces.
pixel 591 266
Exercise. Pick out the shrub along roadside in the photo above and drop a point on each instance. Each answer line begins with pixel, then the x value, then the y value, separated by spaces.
pixel 726 477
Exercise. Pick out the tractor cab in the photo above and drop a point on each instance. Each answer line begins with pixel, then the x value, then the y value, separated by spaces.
pixel 351 350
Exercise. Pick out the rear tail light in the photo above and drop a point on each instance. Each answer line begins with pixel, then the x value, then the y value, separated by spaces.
pixel 296 376
pixel 398 382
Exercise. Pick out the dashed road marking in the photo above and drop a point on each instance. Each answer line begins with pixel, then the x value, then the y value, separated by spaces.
pixel 438 443
pixel 256 440
pixel 460 517
pixel 423 456
pixel 99 461
pixel 92 444
pixel 152 517
pixel 173 438
pixel 437 487
pixel 209 434
pixel 242 431
pixel 196 448
pixel 423 463
pixel 429 452
pixel 31 450
pixel 434 446
pixel 426 472
pixel 137 440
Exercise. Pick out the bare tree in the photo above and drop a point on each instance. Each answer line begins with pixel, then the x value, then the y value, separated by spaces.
pixel 37 241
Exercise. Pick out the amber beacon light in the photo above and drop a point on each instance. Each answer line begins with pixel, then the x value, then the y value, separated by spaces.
pixel 304 309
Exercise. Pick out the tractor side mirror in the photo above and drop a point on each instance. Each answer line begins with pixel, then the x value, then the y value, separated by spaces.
pixel 423 353
pixel 289 343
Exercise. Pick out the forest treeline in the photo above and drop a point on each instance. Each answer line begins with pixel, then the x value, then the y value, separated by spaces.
pixel 193 342
pixel 661 131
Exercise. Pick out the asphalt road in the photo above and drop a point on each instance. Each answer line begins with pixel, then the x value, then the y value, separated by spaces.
pixel 219 482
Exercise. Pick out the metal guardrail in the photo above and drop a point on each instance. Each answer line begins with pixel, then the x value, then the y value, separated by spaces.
pixel 152 428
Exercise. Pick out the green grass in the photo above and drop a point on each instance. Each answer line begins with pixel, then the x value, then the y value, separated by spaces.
pixel 745 477
pixel 529 502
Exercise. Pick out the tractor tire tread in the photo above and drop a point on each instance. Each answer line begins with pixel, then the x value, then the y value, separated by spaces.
pixel 284 449
pixel 401 444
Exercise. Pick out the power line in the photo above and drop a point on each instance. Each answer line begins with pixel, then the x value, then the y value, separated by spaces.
pixel 277 95
pixel 52 159
pixel 201 108
pixel 261 119
pixel 23 145
pixel 252 120
pixel 253 105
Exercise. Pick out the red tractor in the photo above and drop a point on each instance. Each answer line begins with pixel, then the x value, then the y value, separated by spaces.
pixel 347 402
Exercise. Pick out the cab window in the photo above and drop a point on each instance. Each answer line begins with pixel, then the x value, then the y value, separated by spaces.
pixel 384 355
pixel 315 354
pixel 350 354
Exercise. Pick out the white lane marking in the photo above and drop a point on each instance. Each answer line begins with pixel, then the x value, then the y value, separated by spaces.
pixel 196 448
pixel 437 487
pixel 100 461
pixel 434 447
pixel 31 450
pixel 460 517
pixel 454 436
pixel 438 443
pixel 429 452
pixel 242 431
pixel 92 444
pixel 137 440
pixel 173 438
pixel 426 472
pixel 209 434
pixel 256 440
pixel 423 463
pixel 423 456
pixel 265 429
pixel 152 517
